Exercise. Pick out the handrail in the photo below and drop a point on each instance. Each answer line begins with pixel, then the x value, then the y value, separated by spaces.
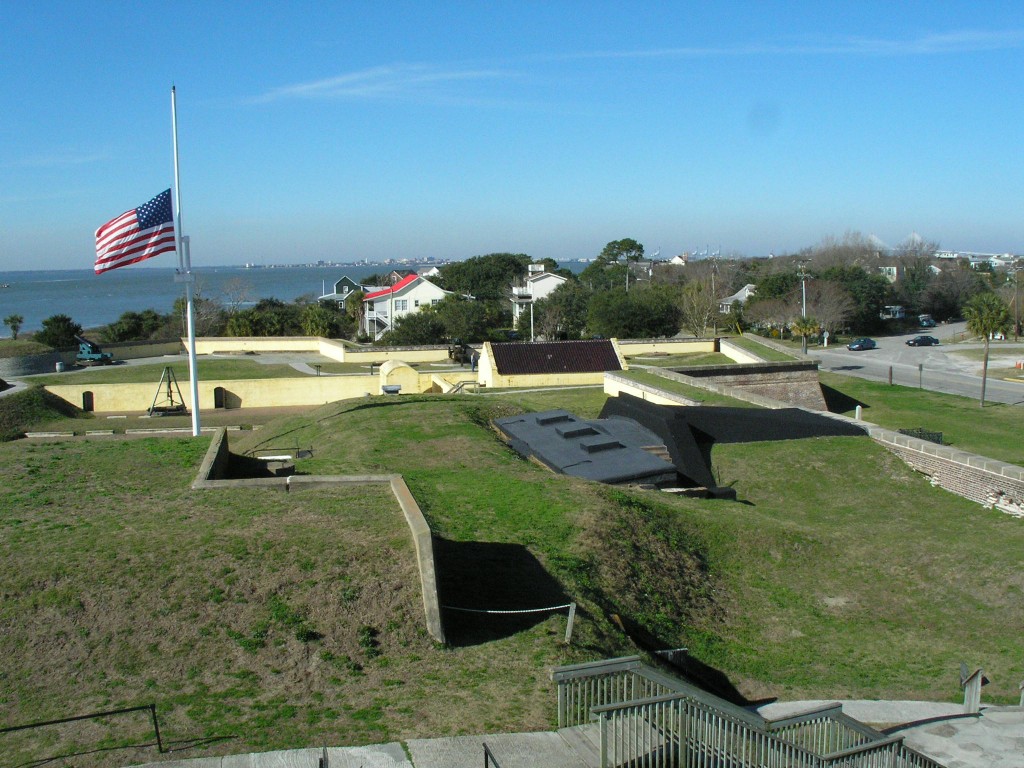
pixel 592 668
pixel 648 716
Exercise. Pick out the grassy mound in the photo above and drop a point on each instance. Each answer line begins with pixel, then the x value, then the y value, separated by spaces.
pixel 21 411
pixel 19 347
pixel 259 620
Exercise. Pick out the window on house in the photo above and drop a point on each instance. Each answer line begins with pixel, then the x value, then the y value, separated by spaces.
pixel 401 305
pixel 416 303
pixel 434 301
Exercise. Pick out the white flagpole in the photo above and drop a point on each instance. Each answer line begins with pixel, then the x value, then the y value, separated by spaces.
pixel 184 273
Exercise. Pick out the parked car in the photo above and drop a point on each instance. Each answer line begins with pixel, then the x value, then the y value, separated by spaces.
pixel 861 344
pixel 922 341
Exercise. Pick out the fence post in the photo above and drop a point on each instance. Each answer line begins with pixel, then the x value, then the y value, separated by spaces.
pixel 972 689
pixel 569 623
pixel 604 739
pixel 156 728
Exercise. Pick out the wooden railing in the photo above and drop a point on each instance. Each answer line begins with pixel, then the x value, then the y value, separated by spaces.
pixel 646 718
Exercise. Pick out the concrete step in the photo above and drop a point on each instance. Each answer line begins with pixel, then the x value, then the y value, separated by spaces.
pixel 584 741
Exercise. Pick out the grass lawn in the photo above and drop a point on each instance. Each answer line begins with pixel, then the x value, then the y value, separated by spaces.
pixel 703 396
pixel 274 620
pixel 750 343
pixel 679 361
pixel 993 431
pixel 19 347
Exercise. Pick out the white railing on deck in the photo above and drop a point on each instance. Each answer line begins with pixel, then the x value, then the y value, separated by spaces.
pixel 646 718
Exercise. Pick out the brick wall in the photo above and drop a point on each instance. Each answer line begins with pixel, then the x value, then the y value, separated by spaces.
pixel 992 483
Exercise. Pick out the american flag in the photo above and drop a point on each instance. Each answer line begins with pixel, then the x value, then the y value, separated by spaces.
pixel 136 235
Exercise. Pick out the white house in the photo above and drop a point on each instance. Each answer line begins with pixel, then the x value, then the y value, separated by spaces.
pixel 537 285
pixel 743 294
pixel 385 305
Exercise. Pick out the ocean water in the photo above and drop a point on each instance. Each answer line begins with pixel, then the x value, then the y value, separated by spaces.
pixel 93 300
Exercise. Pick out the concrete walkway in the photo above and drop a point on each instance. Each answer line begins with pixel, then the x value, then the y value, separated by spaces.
pixel 992 739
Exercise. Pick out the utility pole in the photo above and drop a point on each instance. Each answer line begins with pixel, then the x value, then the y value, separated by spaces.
pixel 802 274
pixel 1018 265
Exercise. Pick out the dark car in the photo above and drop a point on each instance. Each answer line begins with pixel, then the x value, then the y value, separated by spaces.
pixel 922 341
pixel 862 343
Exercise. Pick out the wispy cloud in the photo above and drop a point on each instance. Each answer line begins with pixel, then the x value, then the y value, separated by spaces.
pixel 961 41
pixel 394 81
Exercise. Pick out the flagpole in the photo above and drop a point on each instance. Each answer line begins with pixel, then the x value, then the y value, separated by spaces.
pixel 184 273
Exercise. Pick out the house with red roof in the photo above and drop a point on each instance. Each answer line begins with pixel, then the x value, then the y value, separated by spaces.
pixel 385 305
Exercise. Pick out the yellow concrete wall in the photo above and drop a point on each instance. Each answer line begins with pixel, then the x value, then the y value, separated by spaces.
pixel 213 345
pixel 548 380
pixel 405 354
pixel 614 386
pixel 737 353
pixel 341 351
pixel 261 393
pixel 665 346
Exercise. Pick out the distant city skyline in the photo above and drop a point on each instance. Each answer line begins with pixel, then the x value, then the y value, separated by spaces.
pixel 407 130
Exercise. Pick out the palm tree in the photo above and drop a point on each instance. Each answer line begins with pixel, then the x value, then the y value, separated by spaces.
pixel 14 323
pixel 804 327
pixel 987 315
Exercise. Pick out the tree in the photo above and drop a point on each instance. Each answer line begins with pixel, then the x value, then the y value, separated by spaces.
pixel 804 327
pixel 561 315
pixel 626 249
pixel 987 315
pixel 651 311
pixel 870 292
pixel 486 277
pixel 236 291
pixel 951 290
pixel 318 320
pixel 769 314
pixel 611 267
pixel 59 332
pixel 134 326
pixel 416 328
pixel 464 319
pixel 698 306
pixel 830 304
pixel 14 323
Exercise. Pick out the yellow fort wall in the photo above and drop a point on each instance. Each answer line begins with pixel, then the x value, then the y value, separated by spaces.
pixel 254 393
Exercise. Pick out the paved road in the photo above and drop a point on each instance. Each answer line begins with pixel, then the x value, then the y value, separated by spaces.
pixel 932 368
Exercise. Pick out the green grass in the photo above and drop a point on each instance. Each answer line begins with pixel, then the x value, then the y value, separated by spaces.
pixel 751 344
pixel 703 396
pixel 683 360
pixel 285 620
pixel 19 347
pixel 992 431
pixel 23 411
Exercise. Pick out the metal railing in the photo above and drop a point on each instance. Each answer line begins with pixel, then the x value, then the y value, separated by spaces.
pixel 646 718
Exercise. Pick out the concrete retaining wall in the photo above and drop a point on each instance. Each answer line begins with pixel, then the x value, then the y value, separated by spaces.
pixel 30 365
pixel 738 353
pixel 252 393
pixel 614 385
pixel 633 347
pixel 214 467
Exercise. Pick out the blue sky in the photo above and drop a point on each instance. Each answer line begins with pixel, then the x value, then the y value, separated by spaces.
pixel 347 130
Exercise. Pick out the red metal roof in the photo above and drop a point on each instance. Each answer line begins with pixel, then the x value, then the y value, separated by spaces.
pixel 394 288
pixel 591 356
